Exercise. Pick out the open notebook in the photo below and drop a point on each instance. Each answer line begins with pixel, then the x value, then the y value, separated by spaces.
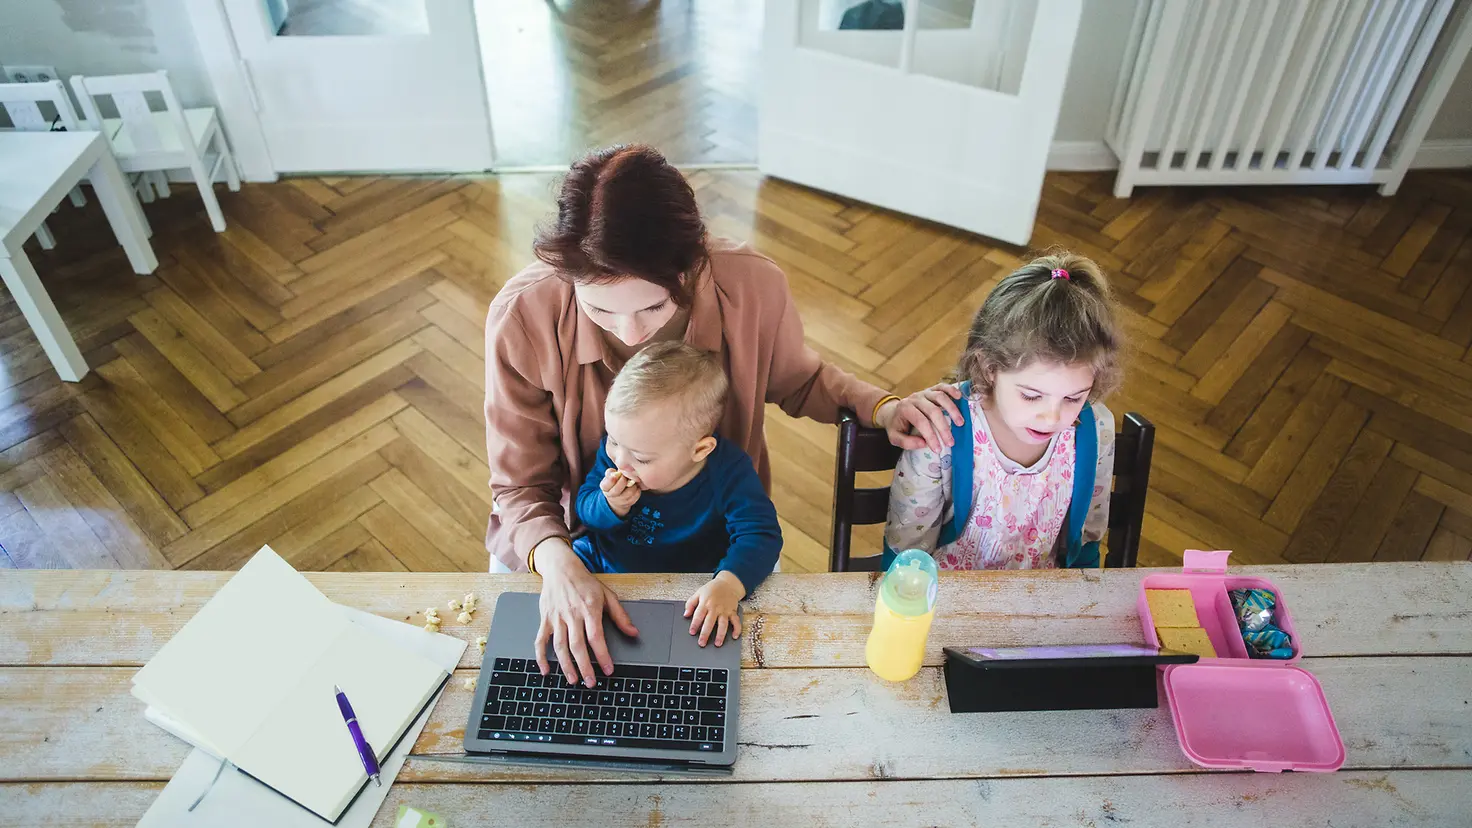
pixel 250 679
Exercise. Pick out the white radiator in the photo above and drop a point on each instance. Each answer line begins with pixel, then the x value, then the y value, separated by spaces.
pixel 1226 92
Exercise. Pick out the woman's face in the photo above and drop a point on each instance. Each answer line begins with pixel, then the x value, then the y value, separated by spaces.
pixel 631 309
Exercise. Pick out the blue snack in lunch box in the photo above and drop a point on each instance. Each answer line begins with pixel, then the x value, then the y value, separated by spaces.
pixel 1254 609
pixel 1269 642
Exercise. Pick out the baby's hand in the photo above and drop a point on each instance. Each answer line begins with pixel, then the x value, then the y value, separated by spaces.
pixel 620 490
pixel 713 607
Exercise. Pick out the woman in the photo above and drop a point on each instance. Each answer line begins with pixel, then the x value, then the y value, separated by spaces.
pixel 626 263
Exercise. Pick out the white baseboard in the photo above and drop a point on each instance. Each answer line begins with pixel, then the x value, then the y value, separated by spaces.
pixel 1081 156
pixel 1442 154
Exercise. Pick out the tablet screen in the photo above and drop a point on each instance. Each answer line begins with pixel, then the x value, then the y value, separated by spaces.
pixel 1072 651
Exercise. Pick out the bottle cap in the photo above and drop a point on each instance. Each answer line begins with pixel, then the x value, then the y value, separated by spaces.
pixel 909 586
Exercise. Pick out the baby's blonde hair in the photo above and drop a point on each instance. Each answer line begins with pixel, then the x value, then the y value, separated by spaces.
pixel 1034 315
pixel 673 371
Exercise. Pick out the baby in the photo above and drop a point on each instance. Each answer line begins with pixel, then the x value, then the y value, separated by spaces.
pixel 668 495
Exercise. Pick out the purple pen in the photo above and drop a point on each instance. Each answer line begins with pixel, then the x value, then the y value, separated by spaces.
pixel 370 764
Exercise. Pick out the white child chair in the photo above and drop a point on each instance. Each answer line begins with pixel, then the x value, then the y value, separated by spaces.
pixel 22 103
pixel 149 142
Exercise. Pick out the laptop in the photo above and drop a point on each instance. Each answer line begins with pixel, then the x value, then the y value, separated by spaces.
pixel 669 701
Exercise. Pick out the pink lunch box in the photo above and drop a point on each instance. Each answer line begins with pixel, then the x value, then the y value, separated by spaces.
pixel 1236 712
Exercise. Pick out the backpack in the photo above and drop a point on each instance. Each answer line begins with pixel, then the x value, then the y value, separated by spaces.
pixel 1078 555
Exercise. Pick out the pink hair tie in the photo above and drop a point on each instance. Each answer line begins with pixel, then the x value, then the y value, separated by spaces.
pixel 1060 274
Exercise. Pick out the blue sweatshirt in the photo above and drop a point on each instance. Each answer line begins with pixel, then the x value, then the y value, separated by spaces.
pixel 720 520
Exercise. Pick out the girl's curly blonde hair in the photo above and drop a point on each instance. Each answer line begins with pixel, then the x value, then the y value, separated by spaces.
pixel 1033 315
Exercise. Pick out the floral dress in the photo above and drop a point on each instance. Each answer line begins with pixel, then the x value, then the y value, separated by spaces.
pixel 1017 514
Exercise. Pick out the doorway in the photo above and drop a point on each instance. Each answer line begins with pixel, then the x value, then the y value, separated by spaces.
pixel 565 76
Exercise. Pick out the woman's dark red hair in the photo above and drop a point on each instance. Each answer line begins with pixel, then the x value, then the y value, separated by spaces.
pixel 622 212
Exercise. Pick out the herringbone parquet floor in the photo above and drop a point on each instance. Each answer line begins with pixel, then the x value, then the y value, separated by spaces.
pixel 312 378
pixel 568 75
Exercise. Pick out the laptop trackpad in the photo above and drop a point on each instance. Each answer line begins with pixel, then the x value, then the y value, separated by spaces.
pixel 656 623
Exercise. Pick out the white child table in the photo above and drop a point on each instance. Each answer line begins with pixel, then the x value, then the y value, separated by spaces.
pixel 37 170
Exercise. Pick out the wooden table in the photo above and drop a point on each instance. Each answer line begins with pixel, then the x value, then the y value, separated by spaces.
pixel 823 741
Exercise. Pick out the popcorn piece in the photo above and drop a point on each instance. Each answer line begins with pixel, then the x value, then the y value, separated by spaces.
pixel 470 601
pixel 470 683
pixel 431 627
pixel 463 618
pixel 481 643
pixel 454 605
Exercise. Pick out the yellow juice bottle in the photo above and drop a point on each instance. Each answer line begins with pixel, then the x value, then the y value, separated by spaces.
pixel 902 616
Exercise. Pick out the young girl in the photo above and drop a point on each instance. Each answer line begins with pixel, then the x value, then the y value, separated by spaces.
pixel 1041 352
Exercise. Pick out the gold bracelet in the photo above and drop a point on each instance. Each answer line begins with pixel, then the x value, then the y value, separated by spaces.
pixel 882 402
pixel 531 561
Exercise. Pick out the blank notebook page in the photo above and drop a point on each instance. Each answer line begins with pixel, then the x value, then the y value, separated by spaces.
pixel 241 653
pixel 303 748
pixel 252 674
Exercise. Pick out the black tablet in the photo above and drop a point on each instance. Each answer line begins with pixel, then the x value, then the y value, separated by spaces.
pixel 1073 655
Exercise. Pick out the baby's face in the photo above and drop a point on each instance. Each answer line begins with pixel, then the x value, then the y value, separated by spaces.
pixel 1041 399
pixel 651 447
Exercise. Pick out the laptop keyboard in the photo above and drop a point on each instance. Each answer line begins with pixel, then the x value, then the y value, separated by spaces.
pixel 639 706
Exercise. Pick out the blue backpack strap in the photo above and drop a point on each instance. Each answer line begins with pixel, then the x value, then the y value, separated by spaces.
pixel 963 460
pixel 1085 464
pixel 963 464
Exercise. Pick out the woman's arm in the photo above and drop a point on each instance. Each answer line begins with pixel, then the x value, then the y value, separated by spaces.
pixel 918 500
pixel 528 473
pixel 523 443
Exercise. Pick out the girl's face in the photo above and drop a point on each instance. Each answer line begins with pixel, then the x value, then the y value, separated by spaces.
pixel 631 309
pixel 1041 399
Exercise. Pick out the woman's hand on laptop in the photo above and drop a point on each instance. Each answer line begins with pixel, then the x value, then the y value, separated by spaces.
pixel 713 608
pixel 572 605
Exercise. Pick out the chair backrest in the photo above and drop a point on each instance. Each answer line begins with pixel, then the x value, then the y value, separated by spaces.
pixel 860 449
pixel 129 94
pixel 1133 447
pixel 863 449
pixel 22 102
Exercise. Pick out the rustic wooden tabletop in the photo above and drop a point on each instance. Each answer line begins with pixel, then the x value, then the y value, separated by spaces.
pixel 823 741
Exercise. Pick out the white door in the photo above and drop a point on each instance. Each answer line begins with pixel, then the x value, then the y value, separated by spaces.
pixel 365 85
pixel 948 118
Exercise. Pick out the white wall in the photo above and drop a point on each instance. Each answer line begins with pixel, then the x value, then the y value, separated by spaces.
pixel 1097 55
pixel 1454 119
pixel 106 37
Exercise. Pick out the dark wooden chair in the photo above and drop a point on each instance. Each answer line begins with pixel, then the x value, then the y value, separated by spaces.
pixel 863 449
